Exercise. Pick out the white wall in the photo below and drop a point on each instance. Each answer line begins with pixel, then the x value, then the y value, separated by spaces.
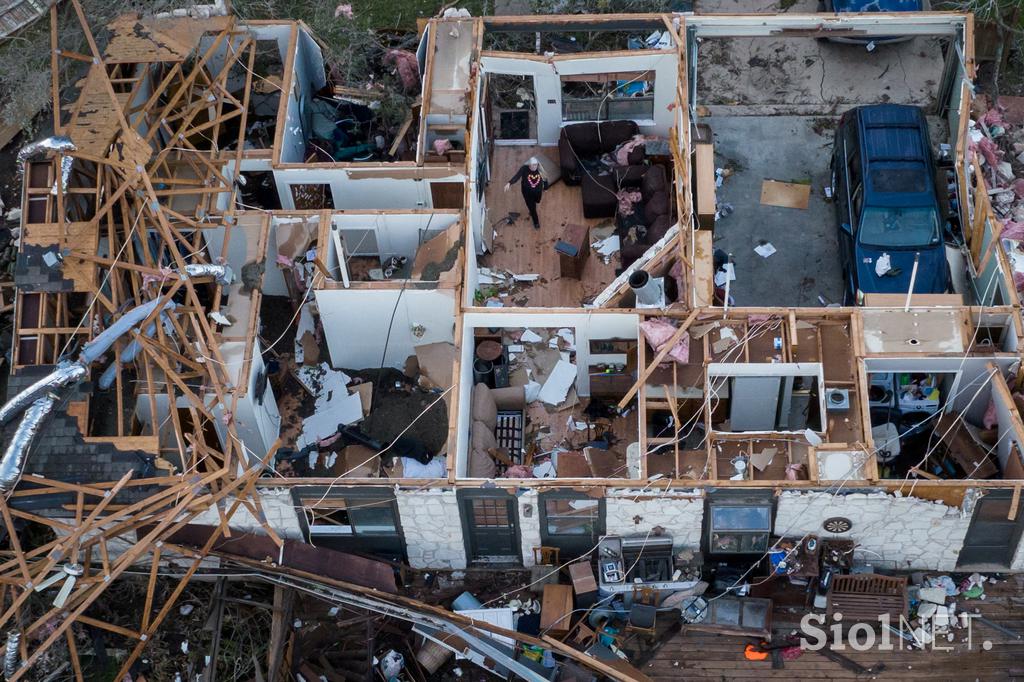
pixel 548 87
pixel 970 391
pixel 1009 441
pixel 477 203
pixel 277 505
pixel 257 425
pixel 432 528
pixel 356 323
pixel 637 512
pixel 357 189
pixel 893 532
pixel 465 399
pixel 397 234
pixel 529 523
pixel 305 80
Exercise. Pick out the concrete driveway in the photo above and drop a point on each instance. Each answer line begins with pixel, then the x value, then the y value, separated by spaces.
pixel 788 149
pixel 772 104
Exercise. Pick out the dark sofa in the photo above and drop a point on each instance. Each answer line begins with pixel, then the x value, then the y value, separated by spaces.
pixel 580 143
pixel 652 216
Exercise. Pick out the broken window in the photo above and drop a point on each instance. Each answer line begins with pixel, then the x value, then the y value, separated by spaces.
pixel 608 96
pixel 513 106
pixel 354 515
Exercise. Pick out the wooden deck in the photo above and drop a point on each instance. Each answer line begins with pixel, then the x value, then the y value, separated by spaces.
pixel 520 249
pixel 703 656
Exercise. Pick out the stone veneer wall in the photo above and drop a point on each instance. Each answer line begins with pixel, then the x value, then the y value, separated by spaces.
pixel 529 523
pixel 907 531
pixel 432 528
pixel 278 506
pixel 680 514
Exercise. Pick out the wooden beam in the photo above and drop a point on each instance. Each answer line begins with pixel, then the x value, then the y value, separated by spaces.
pixel 280 626
pixel 659 356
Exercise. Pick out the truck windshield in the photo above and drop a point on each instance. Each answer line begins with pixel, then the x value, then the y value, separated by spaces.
pixel 899 227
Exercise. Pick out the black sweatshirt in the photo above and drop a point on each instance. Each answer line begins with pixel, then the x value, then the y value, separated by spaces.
pixel 532 183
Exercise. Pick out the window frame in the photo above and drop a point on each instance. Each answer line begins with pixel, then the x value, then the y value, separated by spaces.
pixel 598 518
pixel 349 502
pixel 748 541
pixel 610 84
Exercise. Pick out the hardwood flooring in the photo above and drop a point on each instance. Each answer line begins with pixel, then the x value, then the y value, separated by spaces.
pixel 520 249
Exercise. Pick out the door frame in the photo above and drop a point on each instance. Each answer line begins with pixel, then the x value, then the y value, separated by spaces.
pixel 1015 538
pixel 465 499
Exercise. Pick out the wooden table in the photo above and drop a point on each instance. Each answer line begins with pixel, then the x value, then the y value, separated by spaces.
pixel 573 248
pixel 556 610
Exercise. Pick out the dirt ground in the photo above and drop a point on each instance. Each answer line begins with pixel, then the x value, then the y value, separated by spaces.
pixel 803 76
pixel 396 403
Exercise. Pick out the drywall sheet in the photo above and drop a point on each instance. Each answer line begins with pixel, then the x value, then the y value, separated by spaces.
pixel 889 330
pixel 557 386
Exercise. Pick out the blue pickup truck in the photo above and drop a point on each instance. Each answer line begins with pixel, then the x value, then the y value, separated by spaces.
pixel 854 6
pixel 883 185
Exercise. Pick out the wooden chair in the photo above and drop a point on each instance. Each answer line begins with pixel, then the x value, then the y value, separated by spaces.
pixel 583 636
pixel 643 615
pixel 546 556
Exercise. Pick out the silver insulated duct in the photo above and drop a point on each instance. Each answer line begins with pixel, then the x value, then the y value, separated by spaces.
pixel 71 372
pixel 12 654
pixel 13 462
pixel 41 396
pixel 222 273
pixel 67 373
pixel 56 143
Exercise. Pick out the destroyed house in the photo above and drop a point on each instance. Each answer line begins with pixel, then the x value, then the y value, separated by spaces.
pixel 366 341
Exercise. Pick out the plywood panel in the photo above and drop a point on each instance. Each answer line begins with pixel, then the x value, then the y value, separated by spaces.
pixel 705 172
pixel 147 40
pixel 785 194
pixel 703 268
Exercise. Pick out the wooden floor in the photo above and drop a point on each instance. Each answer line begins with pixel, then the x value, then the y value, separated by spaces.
pixel 704 656
pixel 520 249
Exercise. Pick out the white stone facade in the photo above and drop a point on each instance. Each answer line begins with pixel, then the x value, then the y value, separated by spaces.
pixel 900 532
pixel 635 512
pixel 432 528
pixel 278 506
pixel 529 523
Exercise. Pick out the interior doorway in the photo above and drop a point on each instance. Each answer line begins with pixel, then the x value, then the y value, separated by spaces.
pixel 513 106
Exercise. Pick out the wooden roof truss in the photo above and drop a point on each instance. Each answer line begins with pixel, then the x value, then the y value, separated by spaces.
pixel 149 157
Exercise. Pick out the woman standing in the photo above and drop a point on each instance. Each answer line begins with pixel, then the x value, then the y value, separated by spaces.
pixel 533 181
